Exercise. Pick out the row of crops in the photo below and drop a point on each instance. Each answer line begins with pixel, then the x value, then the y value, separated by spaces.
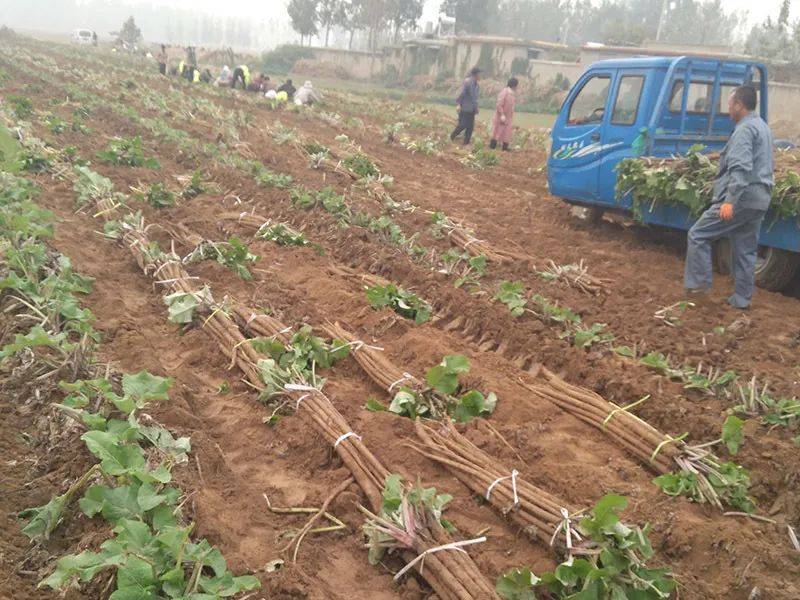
pixel 404 520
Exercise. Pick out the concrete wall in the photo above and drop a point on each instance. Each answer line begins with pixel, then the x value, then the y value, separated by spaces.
pixel 784 102
pixel 360 65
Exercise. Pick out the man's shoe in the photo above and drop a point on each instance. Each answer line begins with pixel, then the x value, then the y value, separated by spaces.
pixel 737 304
pixel 697 292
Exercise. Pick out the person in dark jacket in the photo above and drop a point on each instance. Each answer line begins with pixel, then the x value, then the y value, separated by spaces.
pixel 467 106
pixel 287 87
pixel 742 195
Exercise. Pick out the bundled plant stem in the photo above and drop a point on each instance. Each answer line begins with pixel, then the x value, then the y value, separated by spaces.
pixel 374 362
pixel 464 238
pixel 540 514
pixel 658 450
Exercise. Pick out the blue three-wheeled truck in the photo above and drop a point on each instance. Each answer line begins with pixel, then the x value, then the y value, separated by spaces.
pixel 656 106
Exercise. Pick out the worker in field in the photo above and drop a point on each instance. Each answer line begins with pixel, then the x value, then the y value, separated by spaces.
pixel 307 95
pixel 502 126
pixel 467 106
pixel 225 77
pixel 241 74
pixel 258 83
pixel 742 194
pixel 161 57
pixel 288 88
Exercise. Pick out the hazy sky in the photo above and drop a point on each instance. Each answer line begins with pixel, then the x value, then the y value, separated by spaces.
pixel 757 10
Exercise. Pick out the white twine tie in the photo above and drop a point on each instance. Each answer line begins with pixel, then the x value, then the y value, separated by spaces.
pixel 344 436
pixel 513 478
pixel 566 525
pixel 405 377
pixel 451 546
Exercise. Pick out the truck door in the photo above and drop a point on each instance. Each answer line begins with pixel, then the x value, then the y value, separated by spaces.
pixel 573 164
pixel 621 126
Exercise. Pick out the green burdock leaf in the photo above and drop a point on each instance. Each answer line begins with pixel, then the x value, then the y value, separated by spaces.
pixel 136 580
pixel 44 519
pixel 113 503
pixel 116 458
pixel 373 405
pixel 36 337
pixel 145 387
pixel 732 434
pixel 444 376
pixel 83 567
pixel 517 584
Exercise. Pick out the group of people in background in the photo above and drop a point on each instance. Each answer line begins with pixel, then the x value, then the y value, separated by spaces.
pixel 238 77
pixel 467 107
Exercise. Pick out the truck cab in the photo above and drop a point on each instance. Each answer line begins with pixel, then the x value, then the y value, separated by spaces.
pixel 657 106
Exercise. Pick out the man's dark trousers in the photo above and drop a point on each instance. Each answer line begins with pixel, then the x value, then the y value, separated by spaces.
pixel 466 123
pixel 742 230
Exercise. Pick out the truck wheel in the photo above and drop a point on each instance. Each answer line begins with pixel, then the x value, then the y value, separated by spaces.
pixel 775 268
pixel 594 214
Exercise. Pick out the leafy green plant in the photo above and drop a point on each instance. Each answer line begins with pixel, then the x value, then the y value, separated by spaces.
pixel 91 187
pixel 402 507
pixel 21 107
pixel 586 337
pixel 361 165
pixel 480 157
pixel 151 552
pixel 269 178
pixel 194 186
pixel 609 563
pixel 404 303
pixel 729 482
pixel 34 160
pixel 56 125
pixel 298 361
pixel 511 293
pixel 444 396
pixel 127 152
pixel 283 235
pixel 157 195
pixel 233 254
pixel 732 435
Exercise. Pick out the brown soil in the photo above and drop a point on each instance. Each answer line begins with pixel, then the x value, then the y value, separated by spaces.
pixel 238 458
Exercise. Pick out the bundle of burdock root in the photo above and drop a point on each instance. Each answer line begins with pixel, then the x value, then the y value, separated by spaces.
pixel 689 181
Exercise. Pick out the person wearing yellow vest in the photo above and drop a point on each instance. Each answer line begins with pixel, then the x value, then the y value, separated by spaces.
pixel 241 73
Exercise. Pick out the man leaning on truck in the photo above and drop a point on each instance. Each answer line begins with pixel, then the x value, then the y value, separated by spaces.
pixel 742 193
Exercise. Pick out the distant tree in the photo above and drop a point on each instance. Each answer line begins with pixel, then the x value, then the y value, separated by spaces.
pixel 783 16
pixel 403 14
pixel 303 14
pixel 472 16
pixel 351 18
pixel 130 34
pixel 328 13
pixel 374 16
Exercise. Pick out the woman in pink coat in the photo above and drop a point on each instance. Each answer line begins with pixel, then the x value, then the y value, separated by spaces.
pixel 502 127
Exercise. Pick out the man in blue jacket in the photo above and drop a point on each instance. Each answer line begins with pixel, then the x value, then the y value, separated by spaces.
pixel 742 194
pixel 467 106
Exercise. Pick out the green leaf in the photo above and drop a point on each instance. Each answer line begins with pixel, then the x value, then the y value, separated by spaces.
pixel 373 405
pixel 115 458
pixel 113 503
pixel 145 387
pixel 44 519
pixel 517 584
pixel 135 581
pixel 83 566
pixel 732 434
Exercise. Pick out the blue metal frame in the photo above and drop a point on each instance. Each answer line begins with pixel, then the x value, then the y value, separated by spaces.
pixel 583 156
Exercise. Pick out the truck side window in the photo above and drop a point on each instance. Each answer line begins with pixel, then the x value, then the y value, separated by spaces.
pixel 589 104
pixel 626 104
pixel 698 100
pixel 725 90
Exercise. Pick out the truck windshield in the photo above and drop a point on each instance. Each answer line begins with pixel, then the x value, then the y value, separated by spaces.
pixel 589 105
